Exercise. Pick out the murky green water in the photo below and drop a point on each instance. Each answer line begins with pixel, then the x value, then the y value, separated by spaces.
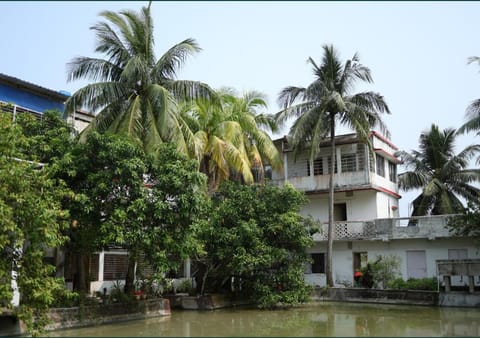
pixel 321 319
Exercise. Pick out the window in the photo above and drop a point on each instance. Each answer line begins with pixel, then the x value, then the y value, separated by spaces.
pixel 380 165
pixel 115 267
pixel 317 265
pixel 392 171
pixel 71 269
pixel 349 162
pixel 318 167
pixel 329 160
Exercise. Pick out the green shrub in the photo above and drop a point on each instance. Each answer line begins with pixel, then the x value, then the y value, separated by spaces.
pixel 66 298
pixel 422 284
pixel 397 284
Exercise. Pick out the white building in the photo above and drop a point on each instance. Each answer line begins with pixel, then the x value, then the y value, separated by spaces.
pixel 366 215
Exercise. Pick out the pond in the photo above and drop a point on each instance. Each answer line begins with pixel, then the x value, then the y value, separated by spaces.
pixel 318 319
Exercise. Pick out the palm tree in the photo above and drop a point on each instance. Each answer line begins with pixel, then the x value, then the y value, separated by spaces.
pixel 133 92
pixel 473 110
pixel 442 175
pixel 226 137
pixel 326 102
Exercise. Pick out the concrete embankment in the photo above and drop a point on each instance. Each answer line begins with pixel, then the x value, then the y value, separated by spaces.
pixel 63 318
pixel 400 297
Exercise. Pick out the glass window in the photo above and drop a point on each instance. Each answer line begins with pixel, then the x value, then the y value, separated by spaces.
pixel 392 171
pixel 380 165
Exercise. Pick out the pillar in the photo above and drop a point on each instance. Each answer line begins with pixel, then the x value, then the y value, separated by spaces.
pixel 471 284
pixel 447 281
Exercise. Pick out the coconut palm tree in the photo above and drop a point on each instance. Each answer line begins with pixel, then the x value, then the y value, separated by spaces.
pixel 472 115
pixel 227 138
pixel 441 174
pixel 134 93
pixel 325 103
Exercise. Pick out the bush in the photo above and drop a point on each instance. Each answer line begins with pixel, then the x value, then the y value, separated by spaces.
pixel 381 272
pixel 66 298
pixel 422 284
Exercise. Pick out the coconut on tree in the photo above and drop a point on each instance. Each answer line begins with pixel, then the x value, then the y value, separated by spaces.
pixel 324 104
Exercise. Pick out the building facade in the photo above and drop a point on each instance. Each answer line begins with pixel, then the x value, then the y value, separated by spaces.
pixel 367 223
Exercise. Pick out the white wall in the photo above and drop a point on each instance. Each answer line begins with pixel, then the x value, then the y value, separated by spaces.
pixel 434 250
pixel 362 206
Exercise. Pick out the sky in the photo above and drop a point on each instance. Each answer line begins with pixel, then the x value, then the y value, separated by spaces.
pixel 417 51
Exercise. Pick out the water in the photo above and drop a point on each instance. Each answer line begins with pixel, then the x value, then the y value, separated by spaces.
pixel 320 319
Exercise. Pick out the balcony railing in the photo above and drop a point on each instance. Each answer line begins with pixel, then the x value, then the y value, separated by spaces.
pixel 386 229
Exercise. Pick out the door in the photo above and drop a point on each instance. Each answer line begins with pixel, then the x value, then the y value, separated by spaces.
pixel 416 264
pixel 340 212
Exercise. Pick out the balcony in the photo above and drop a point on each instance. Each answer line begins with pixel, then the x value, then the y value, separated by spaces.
pixel 387 229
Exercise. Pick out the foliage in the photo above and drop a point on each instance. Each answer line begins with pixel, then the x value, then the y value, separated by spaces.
pixel 49 138
pixel 106 175
pixel 134 93
pixel 123 198
pixel 384 270
pixel 326 102
pixel 176 201
pixel 256 236
pixel 466 224
pixel 442 175
pixel 227 139
pixel 66 298
pixel 425 284
pixel 31 220
pixel 472 115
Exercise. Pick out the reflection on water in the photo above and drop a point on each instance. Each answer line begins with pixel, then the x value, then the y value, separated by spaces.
pixel 321 319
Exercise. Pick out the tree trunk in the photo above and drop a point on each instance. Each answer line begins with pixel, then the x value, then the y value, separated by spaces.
pixel 81 279
pixel 130 277
pixel 329 264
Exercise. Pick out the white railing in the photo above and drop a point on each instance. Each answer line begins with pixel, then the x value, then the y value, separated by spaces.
pixel 385 229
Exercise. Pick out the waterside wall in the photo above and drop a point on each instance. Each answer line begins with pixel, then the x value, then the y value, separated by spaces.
pixel 398 297
pixel 63 318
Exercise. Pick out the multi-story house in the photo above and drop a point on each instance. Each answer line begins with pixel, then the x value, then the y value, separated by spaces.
pixel 366 215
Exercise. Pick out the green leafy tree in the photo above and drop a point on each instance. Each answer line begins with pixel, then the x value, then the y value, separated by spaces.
pixel 31 220
pixel 325 103
pixel 227 136
pixel 443 176
pixel 134 93
pixel 467 224
pixel 106 175
pixel 123 198
pixel 256 236
pixel 48 138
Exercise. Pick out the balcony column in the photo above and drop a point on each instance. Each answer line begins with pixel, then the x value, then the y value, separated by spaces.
pixel 447 281
pixel 285 167
pixel 471 284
